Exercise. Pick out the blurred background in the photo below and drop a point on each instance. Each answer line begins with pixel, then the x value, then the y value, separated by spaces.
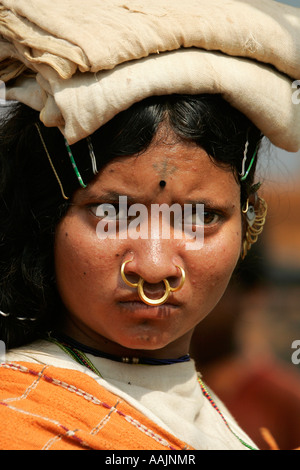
pixel 243 349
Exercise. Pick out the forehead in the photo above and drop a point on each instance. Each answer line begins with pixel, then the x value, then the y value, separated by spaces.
pixel 186 168
pixel 162 159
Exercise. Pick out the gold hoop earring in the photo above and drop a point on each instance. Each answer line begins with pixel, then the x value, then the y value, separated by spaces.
pixel 255 220
pixel 140 286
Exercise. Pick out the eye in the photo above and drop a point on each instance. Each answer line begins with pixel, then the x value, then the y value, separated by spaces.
pixel 201 217
pixel 113 212
pixel 210 218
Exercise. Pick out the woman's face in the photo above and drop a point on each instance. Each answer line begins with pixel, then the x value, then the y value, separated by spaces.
pixel 104 312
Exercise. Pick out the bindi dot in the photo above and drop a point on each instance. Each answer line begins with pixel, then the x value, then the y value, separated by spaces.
pixel 162 183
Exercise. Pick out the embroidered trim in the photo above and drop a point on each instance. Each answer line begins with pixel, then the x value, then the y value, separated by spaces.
pixel 67 433
pixel 28 389
pixel 86 396
pixel 104 420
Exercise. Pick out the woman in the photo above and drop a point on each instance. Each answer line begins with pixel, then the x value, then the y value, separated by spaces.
pixel 97 307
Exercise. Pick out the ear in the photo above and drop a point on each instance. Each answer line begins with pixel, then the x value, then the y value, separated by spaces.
pixel 254 217
pixel 249 210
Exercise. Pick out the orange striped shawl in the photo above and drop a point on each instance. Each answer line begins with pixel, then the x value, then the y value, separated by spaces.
pixel 45 407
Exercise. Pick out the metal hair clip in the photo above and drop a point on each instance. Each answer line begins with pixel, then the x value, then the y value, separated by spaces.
pixel 4 314
pixel 50 161
pixel 74 165
pixel 245 158
pixel 244 173
pixel 92 155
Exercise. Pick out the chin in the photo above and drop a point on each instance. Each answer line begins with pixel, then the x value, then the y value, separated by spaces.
pixel 147 341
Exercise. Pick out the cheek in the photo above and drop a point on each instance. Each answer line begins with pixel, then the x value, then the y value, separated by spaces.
pixel 213 265
pixel 86 268
pixel 77 260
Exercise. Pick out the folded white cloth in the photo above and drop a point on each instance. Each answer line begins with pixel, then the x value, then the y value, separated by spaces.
pixel 80 63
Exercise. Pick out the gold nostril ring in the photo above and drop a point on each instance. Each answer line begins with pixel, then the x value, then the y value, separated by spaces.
pixel 174 289
pixel 131 284
pixel 153 302
pixel 140 286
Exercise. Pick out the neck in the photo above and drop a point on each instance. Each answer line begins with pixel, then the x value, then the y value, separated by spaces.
pixel 79 332
pixel 77 347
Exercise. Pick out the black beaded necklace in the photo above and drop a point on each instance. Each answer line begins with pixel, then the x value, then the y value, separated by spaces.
pixel 75 349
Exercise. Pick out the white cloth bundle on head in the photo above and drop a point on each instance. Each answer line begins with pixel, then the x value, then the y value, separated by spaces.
pixel 81 63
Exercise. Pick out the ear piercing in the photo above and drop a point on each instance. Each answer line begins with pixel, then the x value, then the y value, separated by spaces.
pixel 255 223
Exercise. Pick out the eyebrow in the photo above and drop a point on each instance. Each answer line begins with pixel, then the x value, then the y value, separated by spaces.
pixel 113 197
pixel 209 203
pixel 110 196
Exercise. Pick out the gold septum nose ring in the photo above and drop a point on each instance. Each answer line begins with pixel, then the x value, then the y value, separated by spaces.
pixel 140 286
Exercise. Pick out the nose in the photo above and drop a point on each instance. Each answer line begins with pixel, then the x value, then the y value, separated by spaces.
pixel 154 261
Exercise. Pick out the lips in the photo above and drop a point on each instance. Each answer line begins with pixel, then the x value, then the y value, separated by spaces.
pixel 135 300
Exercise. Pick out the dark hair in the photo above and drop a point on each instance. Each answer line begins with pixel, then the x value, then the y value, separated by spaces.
pixel 31 204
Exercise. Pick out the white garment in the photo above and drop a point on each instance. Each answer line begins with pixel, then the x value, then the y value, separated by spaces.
pixel 169 395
